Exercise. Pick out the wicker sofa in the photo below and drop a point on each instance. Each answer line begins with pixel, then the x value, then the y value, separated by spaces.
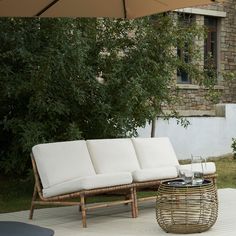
pixel 79 169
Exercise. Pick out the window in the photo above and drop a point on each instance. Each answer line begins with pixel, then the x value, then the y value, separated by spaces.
pixel 182 75
pixel 210 45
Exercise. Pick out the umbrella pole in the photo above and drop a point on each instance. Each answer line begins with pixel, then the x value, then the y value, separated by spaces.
pixel 124 7
pixel 45 8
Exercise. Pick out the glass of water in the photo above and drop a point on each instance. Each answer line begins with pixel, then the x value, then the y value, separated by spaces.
pixel 188 176
pixel 197 163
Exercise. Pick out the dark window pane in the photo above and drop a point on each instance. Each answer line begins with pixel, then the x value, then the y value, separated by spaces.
pixel 182 75
pixel 210 22
pixel 210 46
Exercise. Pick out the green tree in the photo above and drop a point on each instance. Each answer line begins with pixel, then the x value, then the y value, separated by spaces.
pixel 66 79
pixel 138 63
pixel 44 84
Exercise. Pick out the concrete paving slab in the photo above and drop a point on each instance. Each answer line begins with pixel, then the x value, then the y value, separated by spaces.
pixel 117 221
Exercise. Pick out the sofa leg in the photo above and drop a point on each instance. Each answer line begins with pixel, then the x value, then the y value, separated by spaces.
pixel 135 201
pixel 83 210
pixel 133 204
pixel 80 205
pixel 32 203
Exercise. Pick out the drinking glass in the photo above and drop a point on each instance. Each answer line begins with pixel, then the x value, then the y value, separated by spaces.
pixel 186 175
pixel 181 173
pixel 197 163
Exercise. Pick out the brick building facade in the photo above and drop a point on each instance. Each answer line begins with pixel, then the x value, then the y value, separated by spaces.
pixel 193 101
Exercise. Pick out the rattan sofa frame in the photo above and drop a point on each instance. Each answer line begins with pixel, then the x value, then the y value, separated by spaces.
pixel 63 200
pixel 129 191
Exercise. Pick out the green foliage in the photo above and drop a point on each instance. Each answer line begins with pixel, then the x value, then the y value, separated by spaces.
pixel 66 79
pixel 40 64
pixel 233 146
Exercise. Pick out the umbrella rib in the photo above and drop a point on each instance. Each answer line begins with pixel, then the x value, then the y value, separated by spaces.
pixel 124 7
pixel 47 7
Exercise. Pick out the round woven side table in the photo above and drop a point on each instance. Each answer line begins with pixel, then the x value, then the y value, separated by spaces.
pixel 186 208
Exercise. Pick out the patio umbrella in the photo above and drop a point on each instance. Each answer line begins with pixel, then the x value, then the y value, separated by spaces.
pixel 93 8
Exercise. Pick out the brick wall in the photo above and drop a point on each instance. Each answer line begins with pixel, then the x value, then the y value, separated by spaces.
pixel 228 49
pixel 193 97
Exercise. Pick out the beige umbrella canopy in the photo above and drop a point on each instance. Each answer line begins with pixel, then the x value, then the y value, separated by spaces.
pixel 93 8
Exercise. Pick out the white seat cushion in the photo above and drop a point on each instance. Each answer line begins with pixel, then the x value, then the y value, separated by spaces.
pixel 208 167
pixel 88 183
pixel 154 174
pixel 112 155
pixel 62 161
pixel 154 152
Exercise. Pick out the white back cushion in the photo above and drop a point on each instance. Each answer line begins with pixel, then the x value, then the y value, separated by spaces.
pixel 62 161
pixel 112 155
pixel 155 152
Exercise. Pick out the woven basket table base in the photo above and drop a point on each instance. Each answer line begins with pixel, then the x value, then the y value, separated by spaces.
pixel 187 209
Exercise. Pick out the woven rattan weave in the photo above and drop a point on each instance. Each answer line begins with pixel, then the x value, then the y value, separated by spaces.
pixel 186 209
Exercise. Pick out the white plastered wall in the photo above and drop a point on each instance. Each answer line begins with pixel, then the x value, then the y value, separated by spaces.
pixel 205 136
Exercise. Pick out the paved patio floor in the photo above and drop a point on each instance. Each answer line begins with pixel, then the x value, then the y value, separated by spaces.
pixel 117 221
